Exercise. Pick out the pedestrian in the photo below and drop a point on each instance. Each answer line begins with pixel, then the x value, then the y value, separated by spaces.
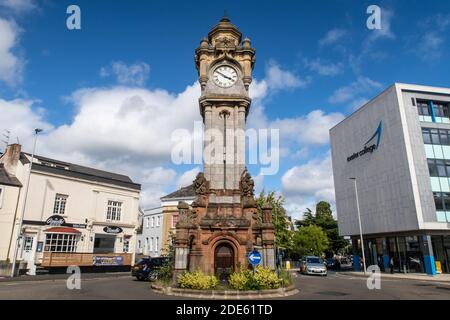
pixel 391 265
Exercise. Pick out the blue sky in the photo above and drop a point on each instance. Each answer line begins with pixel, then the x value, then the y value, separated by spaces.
pixel 109 94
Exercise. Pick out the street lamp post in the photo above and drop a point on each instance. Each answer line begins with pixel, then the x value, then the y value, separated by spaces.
pixel 360 227
pixel 19 230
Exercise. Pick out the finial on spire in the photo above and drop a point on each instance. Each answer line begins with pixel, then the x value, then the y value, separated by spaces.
pixel 225 16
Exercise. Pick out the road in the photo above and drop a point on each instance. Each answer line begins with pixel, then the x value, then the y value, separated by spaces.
pixel 122 286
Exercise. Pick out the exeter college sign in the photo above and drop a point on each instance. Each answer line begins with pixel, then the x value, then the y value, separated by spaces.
pixel 368 147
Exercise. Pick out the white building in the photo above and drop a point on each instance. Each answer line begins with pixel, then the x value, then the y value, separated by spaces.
pixel 397 147
pixel 74 215
pixel 149 241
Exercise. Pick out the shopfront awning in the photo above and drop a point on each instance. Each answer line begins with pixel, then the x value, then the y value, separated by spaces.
pixel 62 230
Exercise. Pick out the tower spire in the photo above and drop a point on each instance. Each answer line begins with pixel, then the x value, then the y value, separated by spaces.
pixel 225 16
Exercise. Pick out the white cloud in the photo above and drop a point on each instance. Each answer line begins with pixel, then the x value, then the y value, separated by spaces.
pixel 307 184
pixel 18 6
pixel 278 78
pixel 368 52
pixel 11 65
pixel 332 36
pixel 386 29
pixel 311 129
pixel 187 178
pixel 432 36
pixel 20 118
pixel 134 74
pixel 362 86
pixel 119 129
pixel 324 68
pixel 131 122
pixel 154 183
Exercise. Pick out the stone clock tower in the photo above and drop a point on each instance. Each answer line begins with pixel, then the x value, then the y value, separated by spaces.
pixel 216 233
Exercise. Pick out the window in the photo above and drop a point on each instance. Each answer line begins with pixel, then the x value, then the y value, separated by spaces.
pixel 147 245
pixel 175 220
pixel 60 204
pixel 151 244
pixel 139 244
pixel 158 221
pixel 423 108
pixel 126 245
pixel 432 168
pixel 156 243
pixel 153 222
pixel 61 242
pixel 441 109
pixel 442 201
pixel 147 224
pixel 426 136
pixel 114 210
pixel 435 136
pixel 439 168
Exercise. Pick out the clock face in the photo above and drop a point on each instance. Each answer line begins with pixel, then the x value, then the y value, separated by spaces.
pixel 225 76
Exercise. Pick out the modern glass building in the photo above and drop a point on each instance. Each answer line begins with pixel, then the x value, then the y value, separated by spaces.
pixel 397 150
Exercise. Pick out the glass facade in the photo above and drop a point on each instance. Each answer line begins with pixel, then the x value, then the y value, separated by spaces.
pixel 433 111
pixel 437 149
pixel 406 253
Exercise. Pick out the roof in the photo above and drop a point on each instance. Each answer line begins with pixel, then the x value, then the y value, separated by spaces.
pixel 186 192
pixel 67 169
pixel 63 230
pixel 6 179
pixel 401 87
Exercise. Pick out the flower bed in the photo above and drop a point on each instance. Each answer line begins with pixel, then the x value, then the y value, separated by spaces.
pixel 245 284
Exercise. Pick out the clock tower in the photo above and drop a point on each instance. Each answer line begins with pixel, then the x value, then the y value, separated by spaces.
pixel 217 232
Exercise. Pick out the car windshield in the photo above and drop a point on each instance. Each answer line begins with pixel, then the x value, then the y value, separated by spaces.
pixel 143 261
pixel 314 260
pixel 156 262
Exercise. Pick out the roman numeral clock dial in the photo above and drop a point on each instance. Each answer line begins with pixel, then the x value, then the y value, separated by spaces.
pixel 225 76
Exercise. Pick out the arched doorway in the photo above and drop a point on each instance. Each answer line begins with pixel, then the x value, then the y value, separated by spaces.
pixel 223 261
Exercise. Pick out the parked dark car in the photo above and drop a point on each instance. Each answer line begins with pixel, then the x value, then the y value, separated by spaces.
pixel 333 264
pixel 145 269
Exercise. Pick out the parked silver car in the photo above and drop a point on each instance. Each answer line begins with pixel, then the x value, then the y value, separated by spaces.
pixel 314 265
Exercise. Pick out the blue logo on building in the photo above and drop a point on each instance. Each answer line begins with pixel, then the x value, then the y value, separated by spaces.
pixel 369 146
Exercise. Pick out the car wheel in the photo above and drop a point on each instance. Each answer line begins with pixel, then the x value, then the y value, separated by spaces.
pixel 139 278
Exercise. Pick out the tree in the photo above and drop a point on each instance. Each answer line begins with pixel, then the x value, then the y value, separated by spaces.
pixel 310 240
pixel 280 219
pixel 323 218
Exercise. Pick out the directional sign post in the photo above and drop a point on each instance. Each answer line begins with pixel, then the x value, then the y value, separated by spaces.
pixel 254 258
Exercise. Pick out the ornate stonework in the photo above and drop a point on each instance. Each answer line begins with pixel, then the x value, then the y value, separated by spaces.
pixel 222 225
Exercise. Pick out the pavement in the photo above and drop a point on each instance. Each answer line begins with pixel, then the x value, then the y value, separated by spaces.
pixel 121 286
pixel 443 278
pixel 62 276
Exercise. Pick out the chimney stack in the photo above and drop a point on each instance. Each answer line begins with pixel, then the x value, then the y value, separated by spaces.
pixel 11 158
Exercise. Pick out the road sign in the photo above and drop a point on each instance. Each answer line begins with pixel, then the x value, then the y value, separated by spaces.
pixel 254 258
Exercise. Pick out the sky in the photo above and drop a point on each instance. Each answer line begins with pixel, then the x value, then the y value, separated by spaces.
pixel 111 94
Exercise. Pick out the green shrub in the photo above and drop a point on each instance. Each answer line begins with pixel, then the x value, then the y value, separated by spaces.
pixel 285 278
pixel 240 280
pixel 197 280
pixel 264 278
